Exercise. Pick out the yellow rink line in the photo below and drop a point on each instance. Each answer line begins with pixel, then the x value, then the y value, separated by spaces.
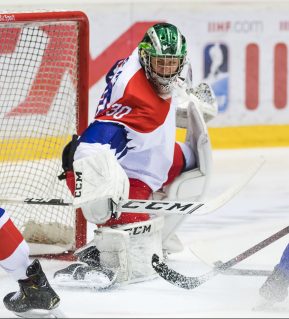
pixel 245 136
pixel 221 138
pixel 24 149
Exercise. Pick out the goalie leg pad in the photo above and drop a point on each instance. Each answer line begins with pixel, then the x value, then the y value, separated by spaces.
pixel 145 240
pixel 121 254
pixel 128 249
pixel 113 246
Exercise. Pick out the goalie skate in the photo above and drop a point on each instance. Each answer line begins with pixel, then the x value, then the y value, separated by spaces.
pixel 81 275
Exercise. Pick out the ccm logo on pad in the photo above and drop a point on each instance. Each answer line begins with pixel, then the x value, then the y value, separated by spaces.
pixel 78 184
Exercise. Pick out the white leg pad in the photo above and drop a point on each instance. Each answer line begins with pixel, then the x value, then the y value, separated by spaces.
pixel 128 249
pixel 114 245
pixel 192 184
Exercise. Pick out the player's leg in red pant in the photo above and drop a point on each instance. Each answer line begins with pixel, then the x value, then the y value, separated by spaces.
pixel 14 251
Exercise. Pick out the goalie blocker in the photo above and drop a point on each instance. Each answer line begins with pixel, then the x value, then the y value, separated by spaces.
pixel 98 178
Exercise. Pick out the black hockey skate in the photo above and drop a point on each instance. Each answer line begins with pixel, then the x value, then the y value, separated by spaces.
pixel 35 294
pixel 87 273
pixel 275 288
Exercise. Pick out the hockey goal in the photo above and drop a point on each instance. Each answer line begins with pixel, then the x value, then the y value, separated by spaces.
pixel 43 101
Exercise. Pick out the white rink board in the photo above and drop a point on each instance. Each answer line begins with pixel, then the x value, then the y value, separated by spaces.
pixel 236 25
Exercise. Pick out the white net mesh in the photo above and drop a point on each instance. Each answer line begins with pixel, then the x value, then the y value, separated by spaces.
pixel 38 115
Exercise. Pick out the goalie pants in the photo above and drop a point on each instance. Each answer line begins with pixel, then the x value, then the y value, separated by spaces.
pixel 14 251
pixel 138 189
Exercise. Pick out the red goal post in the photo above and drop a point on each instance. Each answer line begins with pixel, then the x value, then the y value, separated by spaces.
pixel 43 101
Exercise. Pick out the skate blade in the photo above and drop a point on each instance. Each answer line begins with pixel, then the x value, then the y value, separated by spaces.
pixel 41 313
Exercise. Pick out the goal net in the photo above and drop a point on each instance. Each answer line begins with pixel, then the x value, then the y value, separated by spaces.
pixel 43 101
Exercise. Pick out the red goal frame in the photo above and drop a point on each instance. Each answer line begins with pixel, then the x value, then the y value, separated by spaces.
pixel 82 86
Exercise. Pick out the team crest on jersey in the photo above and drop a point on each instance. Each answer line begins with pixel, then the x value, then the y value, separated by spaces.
pixel 216 72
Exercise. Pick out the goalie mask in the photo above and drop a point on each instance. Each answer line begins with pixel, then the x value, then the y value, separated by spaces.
pixel 162 54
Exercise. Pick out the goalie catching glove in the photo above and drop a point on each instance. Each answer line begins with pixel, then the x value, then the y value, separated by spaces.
pixel 100 183
pixel 206 100
pixel 203 97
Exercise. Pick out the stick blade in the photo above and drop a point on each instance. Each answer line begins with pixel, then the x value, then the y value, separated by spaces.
pixel 172 276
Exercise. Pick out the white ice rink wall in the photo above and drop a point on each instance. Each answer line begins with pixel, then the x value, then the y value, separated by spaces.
pixel 240 47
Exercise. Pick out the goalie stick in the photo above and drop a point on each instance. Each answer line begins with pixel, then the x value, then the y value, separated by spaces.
pixel 128 206
pixel 187 282
pixel 153 206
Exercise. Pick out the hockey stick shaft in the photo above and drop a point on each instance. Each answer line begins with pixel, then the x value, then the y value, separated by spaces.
pixel 128 206
pixel 246 272
pixel 232 191
pixel 242 271
pixel 187 282
pixel 154 207
pixel 249 252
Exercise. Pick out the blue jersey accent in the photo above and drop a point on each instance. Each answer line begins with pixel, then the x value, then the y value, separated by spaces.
pixel 284 262
pixel 2 211
pixel 110 133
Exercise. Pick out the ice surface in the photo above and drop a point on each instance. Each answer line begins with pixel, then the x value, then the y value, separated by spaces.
pixel 258 211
